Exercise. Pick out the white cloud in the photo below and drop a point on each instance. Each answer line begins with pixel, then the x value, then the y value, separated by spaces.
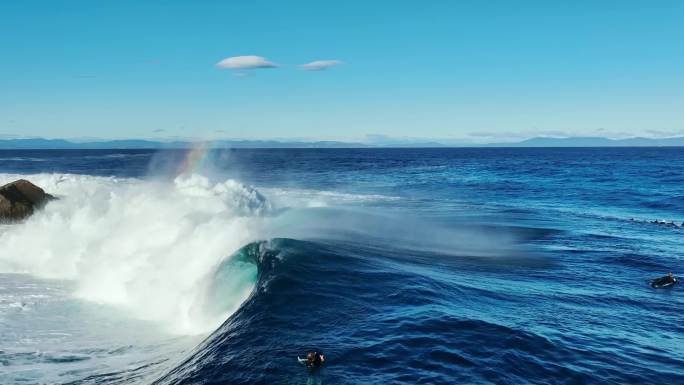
pixel 320 65
pixel 245 62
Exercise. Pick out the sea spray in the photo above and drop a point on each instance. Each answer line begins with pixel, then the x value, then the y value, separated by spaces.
pixel 146 247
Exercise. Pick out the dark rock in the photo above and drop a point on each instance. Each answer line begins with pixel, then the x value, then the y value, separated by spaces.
pixel 20 199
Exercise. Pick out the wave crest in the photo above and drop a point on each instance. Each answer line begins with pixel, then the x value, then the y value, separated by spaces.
pixel 147 247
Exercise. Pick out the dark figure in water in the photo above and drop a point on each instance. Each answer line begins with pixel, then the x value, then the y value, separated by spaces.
pixel 314 360
pixel 665 281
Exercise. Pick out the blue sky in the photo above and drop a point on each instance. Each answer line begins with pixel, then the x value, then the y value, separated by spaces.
pixel 458 70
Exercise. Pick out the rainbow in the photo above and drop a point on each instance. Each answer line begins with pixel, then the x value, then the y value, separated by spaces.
pixel 194 158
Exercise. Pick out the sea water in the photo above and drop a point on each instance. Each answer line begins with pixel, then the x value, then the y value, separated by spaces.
pixel 477 265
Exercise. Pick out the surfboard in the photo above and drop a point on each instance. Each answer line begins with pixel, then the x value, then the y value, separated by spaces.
pixel 657 285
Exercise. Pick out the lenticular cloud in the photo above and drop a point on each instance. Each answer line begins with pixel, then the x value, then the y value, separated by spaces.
pixel 320 65
pixel 245 62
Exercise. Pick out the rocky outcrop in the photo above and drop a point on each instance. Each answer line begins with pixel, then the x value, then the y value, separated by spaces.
pixel 20 199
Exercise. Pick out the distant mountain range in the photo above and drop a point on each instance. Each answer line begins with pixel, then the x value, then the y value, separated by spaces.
pixel 595 142
pixel 39 144
pixel 57 144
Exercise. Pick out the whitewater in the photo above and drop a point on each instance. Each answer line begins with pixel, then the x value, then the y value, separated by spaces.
pixel 146 247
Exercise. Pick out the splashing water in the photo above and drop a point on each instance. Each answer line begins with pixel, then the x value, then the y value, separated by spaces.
pixel 145 247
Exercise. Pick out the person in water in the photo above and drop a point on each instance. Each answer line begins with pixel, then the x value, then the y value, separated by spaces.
pixel 314 360
pixel 666 280
pixel 669 278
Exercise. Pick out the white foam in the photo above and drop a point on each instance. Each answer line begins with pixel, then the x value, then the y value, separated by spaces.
pixel 296 197
pixel 147 247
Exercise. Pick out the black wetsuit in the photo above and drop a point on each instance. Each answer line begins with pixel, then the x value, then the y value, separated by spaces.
pixel 663 281
pixel 316 362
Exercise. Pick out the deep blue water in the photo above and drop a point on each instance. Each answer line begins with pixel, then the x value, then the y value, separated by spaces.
pixel 472 266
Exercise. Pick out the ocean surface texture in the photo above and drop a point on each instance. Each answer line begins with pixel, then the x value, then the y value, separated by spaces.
pixel 403 266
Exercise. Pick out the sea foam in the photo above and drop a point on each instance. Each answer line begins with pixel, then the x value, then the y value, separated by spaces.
pixel 149 248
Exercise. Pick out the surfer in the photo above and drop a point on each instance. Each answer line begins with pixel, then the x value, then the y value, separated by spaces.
pixel 665 281
pixel 314 360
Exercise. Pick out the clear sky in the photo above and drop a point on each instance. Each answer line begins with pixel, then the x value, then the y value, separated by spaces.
pixel 462 70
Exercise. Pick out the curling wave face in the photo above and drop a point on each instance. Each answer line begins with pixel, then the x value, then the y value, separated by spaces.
pixel 146 247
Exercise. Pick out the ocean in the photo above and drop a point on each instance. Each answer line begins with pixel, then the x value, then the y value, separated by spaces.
pixel 403 266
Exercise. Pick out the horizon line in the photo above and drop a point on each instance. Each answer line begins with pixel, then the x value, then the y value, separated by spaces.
pixel 152 144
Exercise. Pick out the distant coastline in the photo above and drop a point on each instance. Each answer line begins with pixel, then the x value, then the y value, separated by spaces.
pixel 58 144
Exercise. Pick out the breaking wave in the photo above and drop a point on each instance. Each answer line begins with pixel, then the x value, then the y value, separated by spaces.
pixel 146 247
